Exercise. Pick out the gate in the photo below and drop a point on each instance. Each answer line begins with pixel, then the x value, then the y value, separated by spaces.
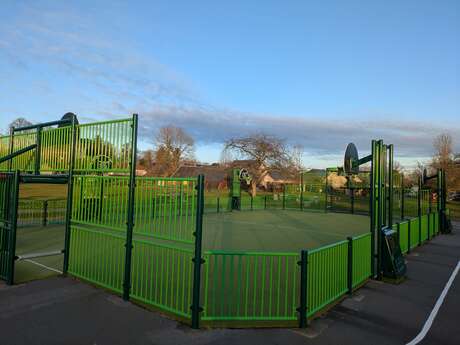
pixel 9 191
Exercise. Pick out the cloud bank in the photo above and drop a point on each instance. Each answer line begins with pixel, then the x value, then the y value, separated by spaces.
pixel 318 136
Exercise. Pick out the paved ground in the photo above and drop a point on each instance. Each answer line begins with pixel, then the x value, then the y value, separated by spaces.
pixel 65 311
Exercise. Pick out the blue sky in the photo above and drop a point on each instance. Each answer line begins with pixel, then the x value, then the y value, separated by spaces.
pixel 319 74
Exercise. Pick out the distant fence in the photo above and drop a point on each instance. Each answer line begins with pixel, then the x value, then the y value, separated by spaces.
pixel 41 212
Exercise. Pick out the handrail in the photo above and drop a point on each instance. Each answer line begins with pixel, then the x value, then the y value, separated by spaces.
pixel 17 153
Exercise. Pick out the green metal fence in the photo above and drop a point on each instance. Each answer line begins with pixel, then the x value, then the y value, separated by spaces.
pixel 361 259
pixel 100 147
pixel 162 276
pixel 327 275
pixel 163 237
pixel 250 286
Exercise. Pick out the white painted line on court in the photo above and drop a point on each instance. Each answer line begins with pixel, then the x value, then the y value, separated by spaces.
pixel 43 266
pixel 434 312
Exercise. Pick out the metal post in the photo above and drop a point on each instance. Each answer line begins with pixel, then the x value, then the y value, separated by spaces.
pixel 402 196
pixel 252 201
pixel 350 265
pixel 265 202
pixel 372 205
pixel 198 260
pixel 419 210
pixel 218 204
pixel 390 184
pixel 38 142
pixel 13 227
pixel 302 309
pixel 45 213
pixel 130 222
pixel 11 146
pixel 381 205
pixel 68 215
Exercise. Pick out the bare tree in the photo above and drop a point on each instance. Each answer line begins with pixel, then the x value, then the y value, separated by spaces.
pixel 173 147
pixel 266 154
pixel 146 160
pixel 444 159
pixel 443 151
pixel 19 122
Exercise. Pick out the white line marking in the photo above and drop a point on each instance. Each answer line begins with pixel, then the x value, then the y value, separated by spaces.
pixel 434 312
pixel 43 266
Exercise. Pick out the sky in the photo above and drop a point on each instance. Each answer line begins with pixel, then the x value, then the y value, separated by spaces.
pixel 318 74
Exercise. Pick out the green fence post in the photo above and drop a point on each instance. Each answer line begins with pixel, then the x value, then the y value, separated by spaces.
pixel 68 215
pixel 38 142
pixel 372 204
pixel 398 225
pixel 45 213
pixel 265 202
pixel 302 309
pixel 390 184
pixel 198 260
pixel 218 204
pixel 350 265
pixel 252 200
pixel 11 147
pixel 402 197
pixel 14 222
pixel 130 220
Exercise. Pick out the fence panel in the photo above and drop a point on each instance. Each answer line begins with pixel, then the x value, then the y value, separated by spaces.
pixel 162 275
pixel 98 256
pixel 361 259
pixel 410 203
pixel 403 236
pixel 327 275
pixel 424 227
pixel 103 146
pixel 56 211
pixel 30 212
pixel 166 208
pixel 4 150
pixel 436 223
pixel 101 201
pixel 56 144
pixel 250 286
pixel 414 232
pixel 25 161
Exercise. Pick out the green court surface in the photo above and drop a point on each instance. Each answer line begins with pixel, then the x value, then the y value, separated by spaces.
pixel 260 230
pixel 278 230
pixel 38 239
